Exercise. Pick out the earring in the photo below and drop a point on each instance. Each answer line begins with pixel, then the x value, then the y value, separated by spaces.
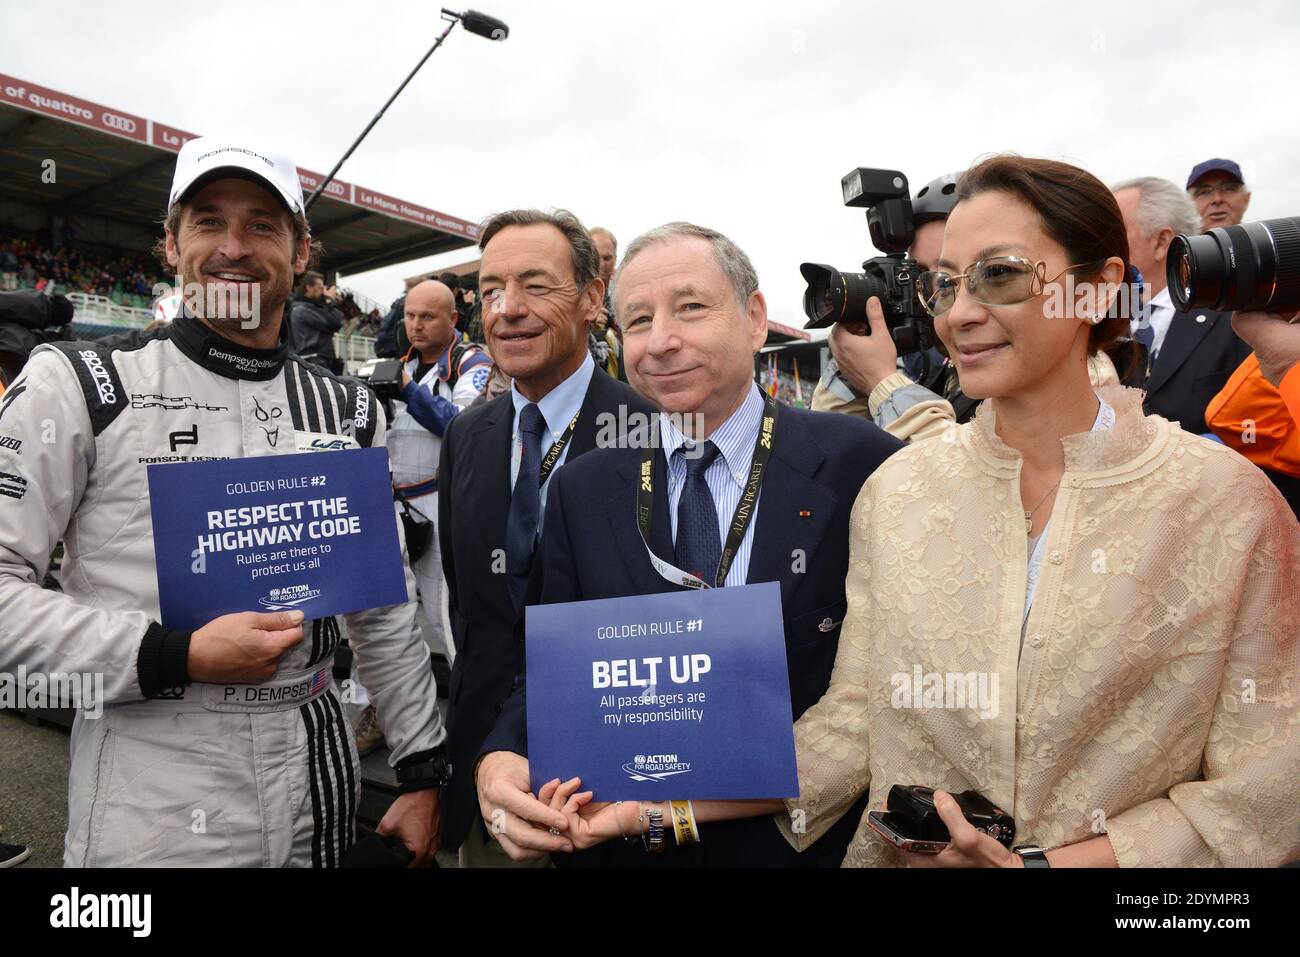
pixel 1097 318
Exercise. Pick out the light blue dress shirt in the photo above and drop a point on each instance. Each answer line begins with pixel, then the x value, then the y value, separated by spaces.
pixel 558 407
pixel 726 476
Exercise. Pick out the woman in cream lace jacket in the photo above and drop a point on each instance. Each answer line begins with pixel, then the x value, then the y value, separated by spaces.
pixel 1148 710
pixel 1131 592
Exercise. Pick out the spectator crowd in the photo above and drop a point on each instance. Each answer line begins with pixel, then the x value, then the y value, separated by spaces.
pixel 126 278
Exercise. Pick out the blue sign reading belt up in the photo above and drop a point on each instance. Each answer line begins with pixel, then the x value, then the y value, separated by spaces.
pixel 273 533
pixel 683 695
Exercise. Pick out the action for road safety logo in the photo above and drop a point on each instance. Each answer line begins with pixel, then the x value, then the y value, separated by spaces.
pixel 655 767
pixel 281 599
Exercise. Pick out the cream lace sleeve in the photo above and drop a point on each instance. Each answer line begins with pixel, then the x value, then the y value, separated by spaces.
pixel 831 738
pixel 1246 811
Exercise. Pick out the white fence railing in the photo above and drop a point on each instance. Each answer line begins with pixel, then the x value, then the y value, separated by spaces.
pixel 354 348
pixel 102 311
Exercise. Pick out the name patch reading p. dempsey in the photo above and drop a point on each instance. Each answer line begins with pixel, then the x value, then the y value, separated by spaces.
pixel 275 532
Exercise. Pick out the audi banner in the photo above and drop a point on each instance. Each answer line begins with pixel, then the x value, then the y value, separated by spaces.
pixel 40 99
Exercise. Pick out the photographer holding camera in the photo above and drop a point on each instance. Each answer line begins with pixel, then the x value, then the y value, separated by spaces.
pixel 438 376
pixel 441 376
pixel 866 378
pixel 918 395
pixel 27 319
pixel 314 317
pixel 1119 593
pixel 1254 268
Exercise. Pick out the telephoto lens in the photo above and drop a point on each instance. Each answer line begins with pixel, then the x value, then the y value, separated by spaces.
pixel 1251 266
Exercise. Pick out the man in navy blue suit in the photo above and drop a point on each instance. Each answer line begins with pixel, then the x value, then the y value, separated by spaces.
pixel 540 288
pixel 692 317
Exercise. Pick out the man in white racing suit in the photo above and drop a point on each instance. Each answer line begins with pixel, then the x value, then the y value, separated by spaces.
pixel 181 769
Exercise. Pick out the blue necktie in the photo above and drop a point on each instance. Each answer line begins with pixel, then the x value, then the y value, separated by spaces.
pixel 525 503
pixel 698 549
pixel 1145 332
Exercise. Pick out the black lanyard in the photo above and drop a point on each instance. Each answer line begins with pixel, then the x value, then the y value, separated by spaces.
pixel 740 521
pixel 553 456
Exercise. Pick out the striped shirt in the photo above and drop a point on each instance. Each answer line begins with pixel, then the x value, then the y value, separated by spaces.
pixel 726 476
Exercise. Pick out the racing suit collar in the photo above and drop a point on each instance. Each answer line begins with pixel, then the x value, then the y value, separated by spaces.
pixel 220 355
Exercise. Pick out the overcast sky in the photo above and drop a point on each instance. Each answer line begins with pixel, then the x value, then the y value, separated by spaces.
pixel 739 116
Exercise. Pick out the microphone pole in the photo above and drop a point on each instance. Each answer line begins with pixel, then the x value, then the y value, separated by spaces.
pixel 477 23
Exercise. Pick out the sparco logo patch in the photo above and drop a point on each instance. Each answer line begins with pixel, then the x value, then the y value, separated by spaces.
pixel 103 383
pixel 362 417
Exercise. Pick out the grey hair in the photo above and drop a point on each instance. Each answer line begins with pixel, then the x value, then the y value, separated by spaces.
pixel 1162 204
pixel 582 251
pixel 731 259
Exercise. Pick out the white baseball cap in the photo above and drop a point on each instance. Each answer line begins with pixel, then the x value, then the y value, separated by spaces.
pixel 202 157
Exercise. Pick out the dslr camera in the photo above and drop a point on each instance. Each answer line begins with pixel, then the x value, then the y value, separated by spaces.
pixel 833 296
pixel 384 376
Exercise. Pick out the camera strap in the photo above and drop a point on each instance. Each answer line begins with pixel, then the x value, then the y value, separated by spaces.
pixel 556 450
pixel 740 520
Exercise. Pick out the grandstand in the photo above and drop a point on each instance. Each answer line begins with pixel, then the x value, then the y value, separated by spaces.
pixel 90 182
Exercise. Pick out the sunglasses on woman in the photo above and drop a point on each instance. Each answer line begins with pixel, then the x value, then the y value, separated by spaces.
pixel 995 281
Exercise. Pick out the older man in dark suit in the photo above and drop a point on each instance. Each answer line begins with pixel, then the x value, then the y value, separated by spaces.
pixel 540 288
pixel 692 317
pixel 1191 354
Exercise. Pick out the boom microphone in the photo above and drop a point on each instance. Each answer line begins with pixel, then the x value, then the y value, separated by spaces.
pixel 481 25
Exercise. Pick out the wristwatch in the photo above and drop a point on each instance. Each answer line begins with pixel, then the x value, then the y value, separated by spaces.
pixel 1032 855
pixel 423 770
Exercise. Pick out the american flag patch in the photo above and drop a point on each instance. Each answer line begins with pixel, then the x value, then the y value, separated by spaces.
pixel 319 680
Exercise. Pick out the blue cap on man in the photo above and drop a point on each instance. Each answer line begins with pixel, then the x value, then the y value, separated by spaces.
pixel 1210 166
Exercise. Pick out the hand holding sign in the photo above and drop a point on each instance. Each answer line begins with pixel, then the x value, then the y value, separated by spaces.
pixel 244 647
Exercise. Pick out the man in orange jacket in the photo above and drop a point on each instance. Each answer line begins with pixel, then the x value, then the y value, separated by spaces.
pixel 1258 411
